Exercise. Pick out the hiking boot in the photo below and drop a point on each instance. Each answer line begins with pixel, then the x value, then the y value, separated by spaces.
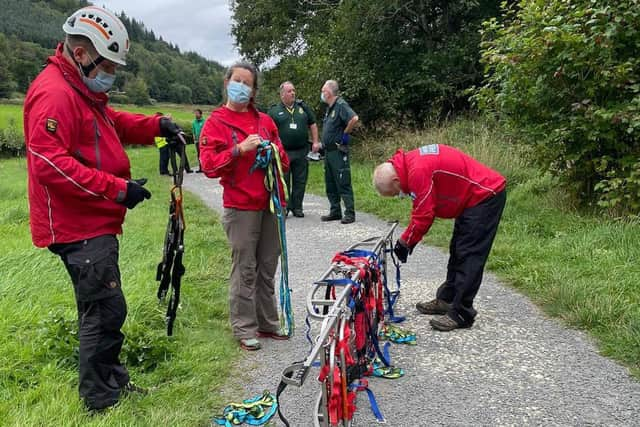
pixel 436 306
pixel 330 217
pixel 298 213
pixel 250 344
pixel 103 411
pixel 348 220
pixel 131 388
pixel 277 335
pixel 445 323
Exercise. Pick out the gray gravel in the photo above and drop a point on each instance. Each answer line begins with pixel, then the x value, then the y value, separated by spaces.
pixel 514 367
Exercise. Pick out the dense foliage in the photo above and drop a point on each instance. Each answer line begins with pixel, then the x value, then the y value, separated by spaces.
pixel 30 30
pixel 396 60
pixel 567 74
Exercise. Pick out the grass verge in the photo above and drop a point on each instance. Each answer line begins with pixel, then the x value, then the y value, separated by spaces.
pixel 38 367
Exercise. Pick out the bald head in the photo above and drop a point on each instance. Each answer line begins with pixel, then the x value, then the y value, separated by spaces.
pixel 385 180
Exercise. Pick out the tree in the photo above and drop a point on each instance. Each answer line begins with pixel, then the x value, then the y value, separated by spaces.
pixel 394 59
pixel 30 30
pixel 179 93
pixel 567 74
pixel 137 91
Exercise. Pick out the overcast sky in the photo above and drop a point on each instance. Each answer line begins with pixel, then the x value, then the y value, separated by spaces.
pixel 202 26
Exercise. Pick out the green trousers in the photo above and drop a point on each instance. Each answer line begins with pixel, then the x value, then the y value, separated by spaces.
pixel 296 178
pixel 337 180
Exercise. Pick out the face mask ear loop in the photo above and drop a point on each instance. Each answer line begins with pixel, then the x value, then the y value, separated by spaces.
pixel 85 69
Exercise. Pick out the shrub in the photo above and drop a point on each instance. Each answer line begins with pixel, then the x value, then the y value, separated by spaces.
pixel 567 75
pixel 11 140
pixel 143 348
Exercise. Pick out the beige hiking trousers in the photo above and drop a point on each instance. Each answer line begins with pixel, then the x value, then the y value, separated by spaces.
pixel 255 249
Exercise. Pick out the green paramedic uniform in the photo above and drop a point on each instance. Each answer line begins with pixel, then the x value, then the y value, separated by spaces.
pixel 337 172
pixel 293 127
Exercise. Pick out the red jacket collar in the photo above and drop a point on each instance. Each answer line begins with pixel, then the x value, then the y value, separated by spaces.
pixel 399 164
pixel 72 75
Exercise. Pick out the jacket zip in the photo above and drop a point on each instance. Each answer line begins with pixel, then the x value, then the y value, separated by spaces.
pixel 97 143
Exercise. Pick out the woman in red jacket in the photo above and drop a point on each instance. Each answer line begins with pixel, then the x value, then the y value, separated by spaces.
pixel 228 144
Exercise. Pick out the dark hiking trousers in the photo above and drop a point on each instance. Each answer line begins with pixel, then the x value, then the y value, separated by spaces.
pixel 473 235
pixel 337 179
pixel 296 178
pixel 93 267
pixel 164 160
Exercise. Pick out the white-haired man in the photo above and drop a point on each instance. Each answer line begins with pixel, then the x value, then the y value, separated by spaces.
pixel 446 183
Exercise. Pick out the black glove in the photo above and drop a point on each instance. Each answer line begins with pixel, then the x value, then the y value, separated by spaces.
pixel 169 129
pixel 136 193
pixel 401 250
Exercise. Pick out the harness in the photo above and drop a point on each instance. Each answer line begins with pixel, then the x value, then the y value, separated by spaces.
pixel 171 269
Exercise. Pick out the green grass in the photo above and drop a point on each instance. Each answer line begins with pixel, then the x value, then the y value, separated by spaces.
pixel 579 267
pixel 38 376
pixel 182 113
pixel 11 116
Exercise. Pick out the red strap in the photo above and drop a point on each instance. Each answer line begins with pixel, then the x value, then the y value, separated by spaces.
pixel 335 399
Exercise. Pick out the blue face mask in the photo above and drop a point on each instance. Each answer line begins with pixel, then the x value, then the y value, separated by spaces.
pixel 402 195
pixel 238 92
pixel 322 98
pixel 101 83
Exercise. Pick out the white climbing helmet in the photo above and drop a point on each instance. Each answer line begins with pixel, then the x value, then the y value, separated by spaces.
pixel 105 30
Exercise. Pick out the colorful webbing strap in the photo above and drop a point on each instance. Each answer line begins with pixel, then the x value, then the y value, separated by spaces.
pixel 256 411
pixel 397 335
pixel 268 157
pixel 383 367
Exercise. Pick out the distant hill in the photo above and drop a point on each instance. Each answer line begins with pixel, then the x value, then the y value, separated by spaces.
pixel 156 69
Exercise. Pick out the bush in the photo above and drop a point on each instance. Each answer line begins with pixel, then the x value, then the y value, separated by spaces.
pixel 568 75
pixel 11 140
pixel 144 347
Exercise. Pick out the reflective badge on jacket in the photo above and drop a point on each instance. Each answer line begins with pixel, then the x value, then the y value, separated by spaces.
pixel 52 125
pixel 431 149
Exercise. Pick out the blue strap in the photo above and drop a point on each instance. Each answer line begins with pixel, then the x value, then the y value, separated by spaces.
pixel 263 157
pixel 372 401
pixel 360 253
pixel 392 297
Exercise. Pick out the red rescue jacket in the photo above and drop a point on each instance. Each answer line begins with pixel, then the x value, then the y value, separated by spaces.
pixel 77 166
pixel 442 182
pixel 221 132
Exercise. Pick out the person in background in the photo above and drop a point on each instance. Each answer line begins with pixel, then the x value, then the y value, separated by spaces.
pixel 80 186
pixel 295 120
pixel 196 128
pixel 446 183
pixel 339 121
pixel 228 143
pixel 163 151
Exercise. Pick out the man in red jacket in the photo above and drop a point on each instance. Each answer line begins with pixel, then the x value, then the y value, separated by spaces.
pixel 80 185
pixel 446 183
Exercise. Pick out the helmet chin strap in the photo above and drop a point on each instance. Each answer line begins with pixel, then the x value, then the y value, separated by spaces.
pixel 86 69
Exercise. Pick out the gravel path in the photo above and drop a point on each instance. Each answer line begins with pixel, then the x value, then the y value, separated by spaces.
pixel 514 367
